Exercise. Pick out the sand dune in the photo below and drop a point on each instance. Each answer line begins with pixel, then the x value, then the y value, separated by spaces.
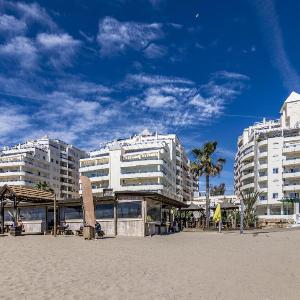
pixel 180 266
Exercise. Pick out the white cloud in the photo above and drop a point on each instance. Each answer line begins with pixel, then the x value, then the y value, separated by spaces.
pixel 156 79
pixel 32 12
pixel 11 26
pixel 60 47
pixel 21 49
pixel 56 41
pixel 114 37
pixel 230 75
pixel 12 115
pixel 272 34
pixel 155 51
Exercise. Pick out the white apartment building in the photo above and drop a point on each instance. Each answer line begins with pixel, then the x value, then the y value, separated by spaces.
pixel 268 160
pixel 49 160
pixel 214 200
pixel 144 162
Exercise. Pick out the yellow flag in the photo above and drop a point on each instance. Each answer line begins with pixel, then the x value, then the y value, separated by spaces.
pixel 217 214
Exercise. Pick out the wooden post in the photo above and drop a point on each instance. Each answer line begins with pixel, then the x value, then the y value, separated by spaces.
pixel 115 218
pixel 54 216
pixel 15 212
pixel 2 216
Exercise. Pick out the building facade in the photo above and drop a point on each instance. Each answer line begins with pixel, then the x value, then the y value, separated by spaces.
pixel 145 162
pixel 43 160
pixel 268 161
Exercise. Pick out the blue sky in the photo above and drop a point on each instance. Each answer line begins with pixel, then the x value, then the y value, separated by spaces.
pixel 91 71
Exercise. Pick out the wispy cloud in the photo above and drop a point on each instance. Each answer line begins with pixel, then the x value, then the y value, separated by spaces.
pixel 9 25
pixel 60 47
pixel 114 37
pixel 22 50
pixel 274 40
pixel 31 12
pixel 155 51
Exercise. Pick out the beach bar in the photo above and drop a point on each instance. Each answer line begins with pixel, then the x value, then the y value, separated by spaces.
pixel 130 213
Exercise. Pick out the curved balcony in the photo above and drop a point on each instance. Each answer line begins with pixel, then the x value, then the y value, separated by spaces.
pixel 247 186
pixel 247 176
pixel 247 166
pixel 247 156
pixel 262 143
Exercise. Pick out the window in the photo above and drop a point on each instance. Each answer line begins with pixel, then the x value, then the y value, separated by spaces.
pixel 71 212
pixel 288 208
pixel 30 214
pixel 51 159
pixel 153 211
pixel 105 211
pixel 275 209
pixel 275 171
pixel 262 197
pixel 275 195
pixel 130 209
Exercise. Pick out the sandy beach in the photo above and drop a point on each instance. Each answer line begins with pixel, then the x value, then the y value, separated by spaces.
pixel 179 266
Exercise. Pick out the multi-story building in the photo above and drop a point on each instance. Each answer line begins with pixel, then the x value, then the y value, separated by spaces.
pixel 145 162
pixel 268 161
pixel 43 160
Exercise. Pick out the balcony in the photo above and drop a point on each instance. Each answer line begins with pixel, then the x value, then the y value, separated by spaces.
pixel 247 166
pixel 291 187
pixel 263 190
pixel 247 156
pixel 142 187
pixel 142 162
pixel 291 148
pixel 143 174
pixel 291 161
pixel 246 176
pixel 263 166
pixel 262 154
pixel 247 186
pixel 291 174
pixel 263 178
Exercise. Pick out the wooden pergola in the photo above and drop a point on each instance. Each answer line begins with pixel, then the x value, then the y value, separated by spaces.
pixel 16 196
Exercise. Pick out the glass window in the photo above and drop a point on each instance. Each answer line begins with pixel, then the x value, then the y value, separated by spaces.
pixel 71 212
pixel 8 215
pixel 261 210
pixel 275 171
pixel 105 211
pixel 153 211
pixel 275 195
pixel 31 214
pixel 275 209
pixel 288 208
pixel 131 209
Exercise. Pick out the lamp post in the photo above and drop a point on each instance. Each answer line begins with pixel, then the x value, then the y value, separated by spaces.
pixel 242 217
pixel 54 215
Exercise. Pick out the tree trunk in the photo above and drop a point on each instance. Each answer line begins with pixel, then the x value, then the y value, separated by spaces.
pixel 207 202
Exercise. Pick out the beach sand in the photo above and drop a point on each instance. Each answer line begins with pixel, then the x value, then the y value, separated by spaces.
pixel 180 266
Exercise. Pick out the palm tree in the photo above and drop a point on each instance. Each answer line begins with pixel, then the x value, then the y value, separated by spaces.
pixel 43 186
pixel 249 197
pixel 206 164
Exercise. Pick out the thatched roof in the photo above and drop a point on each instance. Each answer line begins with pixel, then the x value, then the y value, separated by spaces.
pixel 24 193
pixel 192 207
